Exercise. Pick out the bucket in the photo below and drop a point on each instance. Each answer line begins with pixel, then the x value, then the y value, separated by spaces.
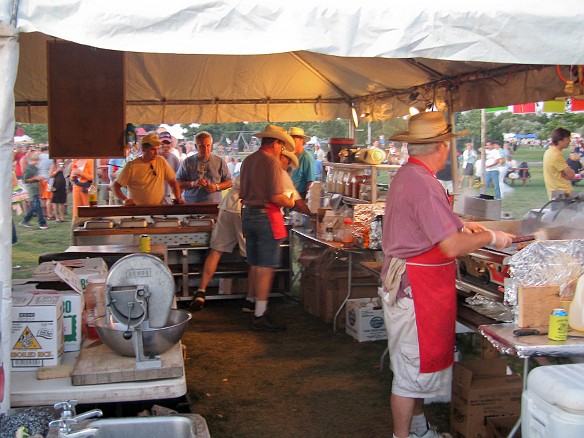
pixel 336 145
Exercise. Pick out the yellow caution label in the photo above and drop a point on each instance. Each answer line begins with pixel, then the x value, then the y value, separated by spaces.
pixel 27 341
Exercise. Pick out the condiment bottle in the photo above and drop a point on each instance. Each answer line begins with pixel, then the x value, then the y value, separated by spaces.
pixel 92 195
pixel 347 232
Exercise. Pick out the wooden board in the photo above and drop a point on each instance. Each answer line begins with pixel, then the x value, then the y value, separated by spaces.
pixel 535 304
pixel 99 364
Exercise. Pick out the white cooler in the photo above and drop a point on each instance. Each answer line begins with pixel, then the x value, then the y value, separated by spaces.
pixel 552 406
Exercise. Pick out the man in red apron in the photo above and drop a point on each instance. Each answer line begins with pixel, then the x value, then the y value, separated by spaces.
pixel 262 194
pixel 421 239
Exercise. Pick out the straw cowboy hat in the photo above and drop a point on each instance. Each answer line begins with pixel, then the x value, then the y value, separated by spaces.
pixel 273 131
pixel 370 156
pixel 295 131
pixel 293 159
pixel 151 138
pixel 427 127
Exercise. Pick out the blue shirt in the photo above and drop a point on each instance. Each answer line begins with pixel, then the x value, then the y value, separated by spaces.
pixel 305 172
pixel 214 170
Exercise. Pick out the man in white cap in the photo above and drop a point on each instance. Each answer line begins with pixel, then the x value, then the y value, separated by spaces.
pixel 262 195
pixel 145 176
pixel 421 239
pixel 304 175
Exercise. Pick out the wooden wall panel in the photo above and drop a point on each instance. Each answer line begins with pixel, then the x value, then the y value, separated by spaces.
pixel 86 101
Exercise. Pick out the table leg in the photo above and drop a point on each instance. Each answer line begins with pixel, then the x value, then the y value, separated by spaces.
pixel 525 372
pixel 349 285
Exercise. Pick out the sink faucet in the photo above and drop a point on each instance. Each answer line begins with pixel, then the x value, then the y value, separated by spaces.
pixel 68 418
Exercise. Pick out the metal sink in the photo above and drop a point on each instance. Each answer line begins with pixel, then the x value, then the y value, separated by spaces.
pixel 152 427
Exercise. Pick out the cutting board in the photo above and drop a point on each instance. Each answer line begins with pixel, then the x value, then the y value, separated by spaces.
pixel 99 364
pixel 535 304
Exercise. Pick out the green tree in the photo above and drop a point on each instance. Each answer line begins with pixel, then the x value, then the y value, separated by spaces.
pixel 39 133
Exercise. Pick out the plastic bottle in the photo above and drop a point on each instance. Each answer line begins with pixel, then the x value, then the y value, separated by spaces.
pixel 347 238
pixel 92 195
pixel 576 313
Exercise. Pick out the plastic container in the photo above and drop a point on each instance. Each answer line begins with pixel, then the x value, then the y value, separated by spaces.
pixel 92 195
pixel 576 313
pixel 94 304
pixel 336 145
pixel 553 404
pixel 347 238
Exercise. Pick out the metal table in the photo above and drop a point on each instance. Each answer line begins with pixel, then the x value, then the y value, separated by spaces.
pixel 502 338
pixel 350 252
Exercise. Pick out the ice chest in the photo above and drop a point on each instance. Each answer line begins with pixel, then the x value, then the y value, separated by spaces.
pixel 37 331
pixel 553 404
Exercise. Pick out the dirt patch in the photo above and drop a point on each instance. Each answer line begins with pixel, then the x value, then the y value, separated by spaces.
pixel 304 382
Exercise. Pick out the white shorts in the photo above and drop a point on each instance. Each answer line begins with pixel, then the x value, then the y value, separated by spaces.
pixel 227 233
pixel 404 354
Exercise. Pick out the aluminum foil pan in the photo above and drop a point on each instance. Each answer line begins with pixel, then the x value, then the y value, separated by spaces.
pixel 165 221
pixel 198 221
pixel 133 222
pixel 100 224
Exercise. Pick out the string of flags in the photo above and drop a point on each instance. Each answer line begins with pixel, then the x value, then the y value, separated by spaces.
pixel 551 106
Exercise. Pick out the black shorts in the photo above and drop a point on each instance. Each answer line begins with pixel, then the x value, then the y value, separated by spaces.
pixel 468 170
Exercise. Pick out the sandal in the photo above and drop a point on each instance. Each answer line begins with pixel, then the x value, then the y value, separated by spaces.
pixel 198 301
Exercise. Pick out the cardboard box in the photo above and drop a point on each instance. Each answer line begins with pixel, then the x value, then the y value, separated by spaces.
pixel 482 390
pixel 233 286
pixel 73 305
pixel 37 330
pixel 365 320
pixel 76 275
pixel 73 272
pixel 482 208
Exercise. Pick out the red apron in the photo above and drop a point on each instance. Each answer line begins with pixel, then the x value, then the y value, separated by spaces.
pixel 432 278
pixel 276 219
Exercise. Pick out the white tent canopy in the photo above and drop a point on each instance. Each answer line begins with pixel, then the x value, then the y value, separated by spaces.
pixel 304 60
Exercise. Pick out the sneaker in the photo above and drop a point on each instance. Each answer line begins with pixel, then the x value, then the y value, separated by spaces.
pixel 199 301
pixel 248 306
pixel 431 433
pixel 43 227
pixel 25 224
pixel 265 324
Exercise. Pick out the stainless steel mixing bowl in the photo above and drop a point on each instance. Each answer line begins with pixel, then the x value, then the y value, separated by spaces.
pixel 156 340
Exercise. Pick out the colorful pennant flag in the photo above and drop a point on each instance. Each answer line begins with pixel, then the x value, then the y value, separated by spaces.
pixel 577 105
pixel 499 108
pixel 524 108
pixel 554 106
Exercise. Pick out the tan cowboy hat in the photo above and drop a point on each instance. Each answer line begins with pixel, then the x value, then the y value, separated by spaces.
pixel 151 138
pixel 370 156
pixel 427 127
pixel 295 131
pixel 293 159
pixel 273 131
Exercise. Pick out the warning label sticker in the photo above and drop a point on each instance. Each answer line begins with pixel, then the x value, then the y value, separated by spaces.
pixel 27 341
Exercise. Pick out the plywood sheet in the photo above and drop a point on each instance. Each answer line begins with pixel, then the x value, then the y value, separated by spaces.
pixel 535 303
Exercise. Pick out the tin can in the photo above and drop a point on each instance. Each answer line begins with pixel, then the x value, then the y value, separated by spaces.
pixel 144 243
pixel 558 329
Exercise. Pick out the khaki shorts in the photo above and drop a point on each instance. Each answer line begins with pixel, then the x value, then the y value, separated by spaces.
pixel 227 233
pixel 404 354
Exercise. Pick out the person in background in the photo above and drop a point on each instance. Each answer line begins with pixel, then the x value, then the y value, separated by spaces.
pixel 305 174
pixel 81 178
pixel 237 167
pixel 145 176
pixel 46 194
pixel 289 163
pixel 231 162
pixel 492 161
pixel 444 177
pixel 575 164
pixel 166 152
pixel 418 274
pixel 319 154
pixel 557 175
pixel 59 190
pixel 19 153
pixel 114 167
pixel 203 176
pixel 469 156
pixel 32 179
pixel 262 194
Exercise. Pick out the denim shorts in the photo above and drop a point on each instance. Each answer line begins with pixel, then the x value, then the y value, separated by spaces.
pixel 261 247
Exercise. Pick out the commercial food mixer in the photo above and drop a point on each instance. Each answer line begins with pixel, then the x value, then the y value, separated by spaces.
pixel 140 320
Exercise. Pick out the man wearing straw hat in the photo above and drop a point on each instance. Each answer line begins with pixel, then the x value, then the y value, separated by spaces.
pixel 304 174
pixel 421 239
pixel 262 195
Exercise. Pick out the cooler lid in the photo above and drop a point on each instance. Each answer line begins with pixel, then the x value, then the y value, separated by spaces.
pixel 559 385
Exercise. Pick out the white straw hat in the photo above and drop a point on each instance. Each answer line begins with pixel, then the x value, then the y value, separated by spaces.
pixel 427 127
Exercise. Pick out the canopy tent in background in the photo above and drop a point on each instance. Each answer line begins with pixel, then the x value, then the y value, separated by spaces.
pixel 235 60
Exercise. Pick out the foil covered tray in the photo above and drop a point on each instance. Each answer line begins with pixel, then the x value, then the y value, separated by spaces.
pixel 99 224
pixel 165 222
pixel 198 221
pixel 133 222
